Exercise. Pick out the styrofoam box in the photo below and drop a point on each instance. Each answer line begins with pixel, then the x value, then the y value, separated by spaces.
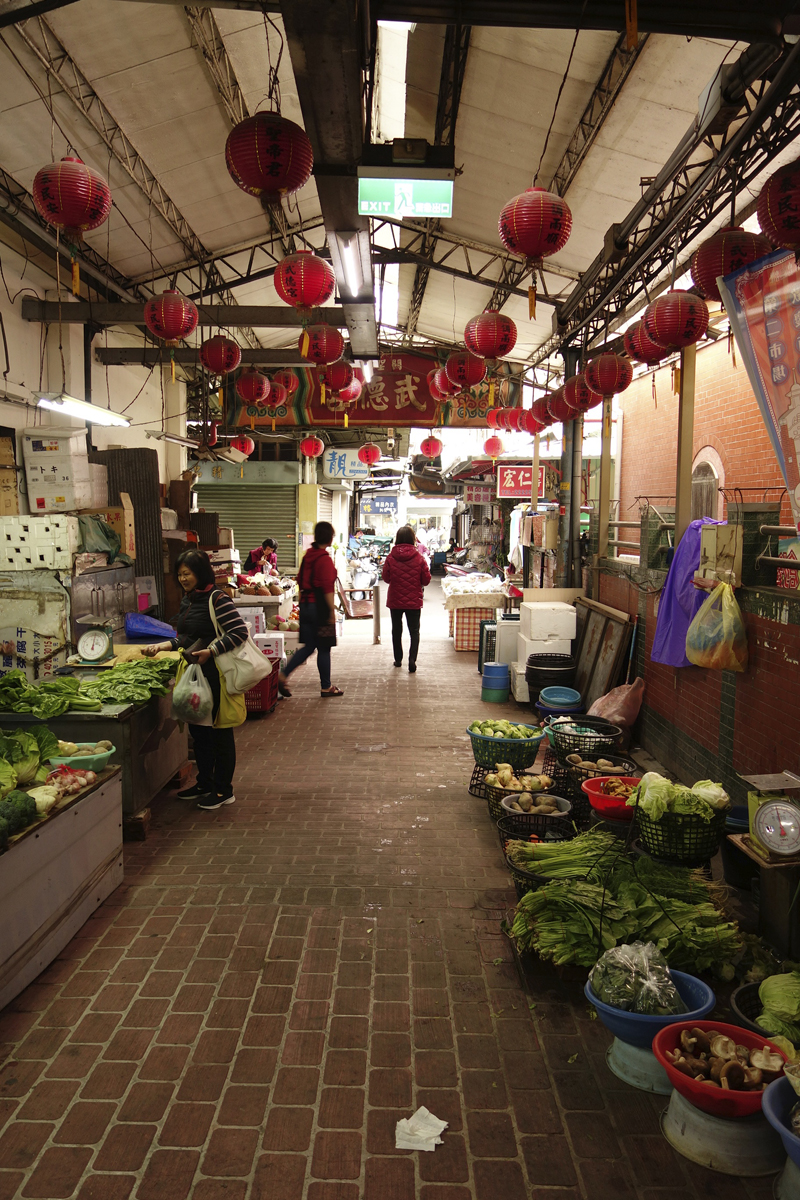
pixel 57 469
pixel 519 684
pixel 254 618
pixel 45 441
pixel 270 643
pixel 98 473
pixel 506 641
pixel 550 619
pixel 526 646
pixel 30 542
pixel 66 498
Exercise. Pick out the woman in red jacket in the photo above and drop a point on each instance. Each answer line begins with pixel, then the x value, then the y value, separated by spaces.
pixel 406 573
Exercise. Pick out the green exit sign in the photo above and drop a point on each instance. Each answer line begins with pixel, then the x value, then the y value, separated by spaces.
pixel 405 197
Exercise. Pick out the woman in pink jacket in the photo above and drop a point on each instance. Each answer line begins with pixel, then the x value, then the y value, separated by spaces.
pixel 406 573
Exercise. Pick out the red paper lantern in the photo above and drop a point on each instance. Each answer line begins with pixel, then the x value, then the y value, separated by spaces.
pixel 431 447
pixel 321 344
pixel 535 224
pixel 501 420
pixel 287 379
pixel 492 417
pixel 268 155
pixel 338 375
pixel 352 393
pixel 71 196
pixel 243 443
pixel 676 319
pixel 219 355
pixel 369 454
pixel 464 370
pixel 490 335
pixel 608 374
pixel 559 409
pixel 528 422
pixel 433 388
pixel 779 206
pixel 444 385
pixel 304 280
pixel 541 413
pixel 726 251
pixel 278 395
pixel 578 396
pixel 640 348
pixel 252 387
pixel 312 447
pixel 513 417
pixel 493 447
pixel 170 316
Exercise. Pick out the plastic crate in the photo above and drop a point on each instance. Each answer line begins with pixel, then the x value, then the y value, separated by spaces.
pixel 681 837
pixel 264 696
pixel 488 644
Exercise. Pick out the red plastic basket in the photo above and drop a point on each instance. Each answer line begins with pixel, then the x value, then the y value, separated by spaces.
pixel 716 1101
pixel 264 696
pixel 609 806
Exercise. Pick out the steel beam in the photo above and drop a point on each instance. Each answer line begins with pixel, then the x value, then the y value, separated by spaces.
pixel 607 89
pixel 14 11
pixel 151 356
pixel 261 316
pixel 693 189
pixel 405 257
pixel 43 43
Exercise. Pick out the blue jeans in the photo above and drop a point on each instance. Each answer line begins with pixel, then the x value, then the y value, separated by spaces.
pixel 308 636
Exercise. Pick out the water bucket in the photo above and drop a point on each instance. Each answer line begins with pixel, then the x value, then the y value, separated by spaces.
pixel 495 675
pixel 494 695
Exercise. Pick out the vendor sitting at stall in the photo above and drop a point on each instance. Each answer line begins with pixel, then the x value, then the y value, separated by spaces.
pixel 262 558
pixel 214 745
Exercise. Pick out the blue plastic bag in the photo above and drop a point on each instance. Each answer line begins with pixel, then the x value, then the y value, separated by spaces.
pixel 680 600
pixel 137 625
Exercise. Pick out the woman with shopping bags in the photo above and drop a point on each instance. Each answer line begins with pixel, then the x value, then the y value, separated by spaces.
pixel 205 633
pixel 407 572
pixel 316 580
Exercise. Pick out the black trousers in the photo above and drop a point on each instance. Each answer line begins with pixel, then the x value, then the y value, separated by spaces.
pixel 215 755
pixel 412 616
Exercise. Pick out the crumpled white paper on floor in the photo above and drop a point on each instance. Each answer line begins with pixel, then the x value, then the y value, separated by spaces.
pixel 420 1132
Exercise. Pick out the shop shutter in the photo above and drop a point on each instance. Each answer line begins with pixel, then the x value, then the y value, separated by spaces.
pixel 254 512
pixel 325 504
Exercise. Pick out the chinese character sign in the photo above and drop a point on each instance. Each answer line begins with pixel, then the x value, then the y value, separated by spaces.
pixel 343 464
pixel 379 506
pixel 396 395
pixel 515 482
pixel 478 493
pixel 763 303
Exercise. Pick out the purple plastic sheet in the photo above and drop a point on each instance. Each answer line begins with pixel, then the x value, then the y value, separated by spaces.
pixel 680 600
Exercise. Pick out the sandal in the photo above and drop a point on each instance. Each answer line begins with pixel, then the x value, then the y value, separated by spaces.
pixel 282 688
pixel 332 691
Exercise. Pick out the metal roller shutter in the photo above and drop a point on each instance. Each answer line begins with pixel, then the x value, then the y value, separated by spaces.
pixel 325 504
pixel 255 511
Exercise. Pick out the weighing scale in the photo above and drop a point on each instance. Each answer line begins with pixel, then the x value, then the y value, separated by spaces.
pixel 96 645
pixel 776 824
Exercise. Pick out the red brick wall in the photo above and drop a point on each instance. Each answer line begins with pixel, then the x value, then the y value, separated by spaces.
pixel 768 699
pixel 727 418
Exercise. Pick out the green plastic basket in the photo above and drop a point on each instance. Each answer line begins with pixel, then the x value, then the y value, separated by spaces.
pixel 519 753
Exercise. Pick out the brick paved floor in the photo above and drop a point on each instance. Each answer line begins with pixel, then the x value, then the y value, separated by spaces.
pixel 275 984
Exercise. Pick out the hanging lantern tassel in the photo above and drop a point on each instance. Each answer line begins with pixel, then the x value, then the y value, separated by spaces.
pixel 172 364
pixel 676 380
pixel 221 394
pixel 322 392
pixel 655 397
pixel 731 346
pixel 273 424
pixel 346 422
pixel 252 421
pixel 491 392
pixel 76 277
pixel 532 302
pixel 631 24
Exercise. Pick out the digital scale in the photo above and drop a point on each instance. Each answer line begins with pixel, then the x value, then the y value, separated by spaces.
pixel 96 645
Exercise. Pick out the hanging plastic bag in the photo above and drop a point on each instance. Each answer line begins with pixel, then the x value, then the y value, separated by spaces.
pixel 716 638
pixel 192 699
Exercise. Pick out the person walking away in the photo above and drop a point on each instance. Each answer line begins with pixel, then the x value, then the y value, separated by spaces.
pixel 214 745
pixel 406 573
pixel 317 582
pixel 262 558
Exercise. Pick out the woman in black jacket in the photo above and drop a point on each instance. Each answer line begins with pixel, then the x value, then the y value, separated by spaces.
pixel 214 748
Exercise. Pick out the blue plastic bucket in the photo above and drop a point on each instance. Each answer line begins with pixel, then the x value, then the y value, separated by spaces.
pixel 560 697
pixel 495 674
pixel 639 1029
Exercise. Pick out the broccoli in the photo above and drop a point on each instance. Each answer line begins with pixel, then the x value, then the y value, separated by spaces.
pixel 18 810
pixel 3 834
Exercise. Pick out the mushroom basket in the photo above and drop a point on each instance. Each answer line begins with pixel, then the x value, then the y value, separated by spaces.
pixel 737 1065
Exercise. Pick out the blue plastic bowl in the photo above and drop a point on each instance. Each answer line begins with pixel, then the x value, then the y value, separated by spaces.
pixel 545 710
pixel 776 1104
pixel 639 1029
pixel 560 697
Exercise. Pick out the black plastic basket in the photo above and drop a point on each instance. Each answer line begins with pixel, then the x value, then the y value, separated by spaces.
pixel 565 784
pixel 477 786
pixel 681 837
pixel 581 774
pixel 584 735
pixel 493 797
pixel 746 1006
pixel 518 827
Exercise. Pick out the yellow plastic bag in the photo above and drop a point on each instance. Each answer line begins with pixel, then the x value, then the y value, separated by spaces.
pixel 232 709
pixel 716 638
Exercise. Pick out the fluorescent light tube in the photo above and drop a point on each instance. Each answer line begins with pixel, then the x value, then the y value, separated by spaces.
pixel 367 371
pixel 192 443
pixel 69 406
pixel 352 272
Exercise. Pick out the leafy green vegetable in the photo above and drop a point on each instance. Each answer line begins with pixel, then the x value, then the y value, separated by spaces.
pixel 773 1024
pixel 47 741
pixel 131 682
pixel 656 795
pixel 8 778
pixel 18 809
pixel 3 834
pixel 21 749
pixel 780 995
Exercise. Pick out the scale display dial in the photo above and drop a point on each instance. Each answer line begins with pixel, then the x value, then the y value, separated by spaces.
pixel 777 825
pixel 94 645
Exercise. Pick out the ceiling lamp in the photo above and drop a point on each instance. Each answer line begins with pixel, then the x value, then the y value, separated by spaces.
pixel 73 198
pixel 491 335
pixel 287 379
pixel 779 206
pixel 724 252
pixel 431 447
pixel 444 385
pixel 676 319
pixel 71 406
pixel 369 454
pixel 304 281
pixel 244 444
pixel 640 347
pixel 352 392
pixel 493 447
pixel 312 447
pixel 252 387
pixel 558 407
pixel 608 374
pixel 266 155
pixel 219 355
pixel 465 370
pixel 338 375
pixel 323 345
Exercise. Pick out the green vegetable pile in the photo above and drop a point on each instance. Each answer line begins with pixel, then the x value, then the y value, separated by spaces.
pixel 43 700
pixel 636 978
pixel 657 795
pixel 130 682
pixel 504 729
pixel 780 995
pixel 600 897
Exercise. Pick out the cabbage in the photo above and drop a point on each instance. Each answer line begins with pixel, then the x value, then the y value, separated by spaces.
pixel 22 750
pixel 655 794
pixel 780 995
pixel 8 778
pixel 772 1024
pixel 713 793
pixel 47 742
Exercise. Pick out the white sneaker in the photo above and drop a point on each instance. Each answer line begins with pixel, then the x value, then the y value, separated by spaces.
pixel 211 802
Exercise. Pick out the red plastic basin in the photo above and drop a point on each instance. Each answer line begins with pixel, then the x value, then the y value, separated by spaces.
pixel 718 1102
pixel 609 806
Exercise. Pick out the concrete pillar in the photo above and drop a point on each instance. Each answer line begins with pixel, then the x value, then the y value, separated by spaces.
pixel 605 482
pixel 174 422
pixel 683 478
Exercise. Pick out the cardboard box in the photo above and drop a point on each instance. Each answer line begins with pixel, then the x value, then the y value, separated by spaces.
pixel 271 644
pixel 254 618
pixel 120 518
pixel 546 621
pixel 9 490
pixel 526 646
